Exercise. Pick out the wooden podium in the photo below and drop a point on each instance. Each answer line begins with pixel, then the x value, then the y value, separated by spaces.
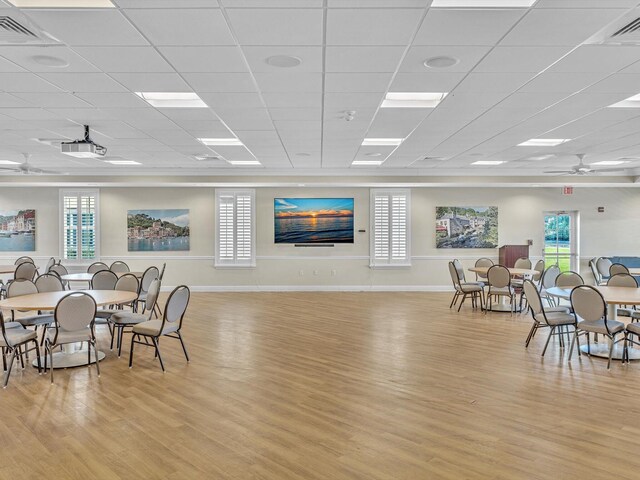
pixel 508 254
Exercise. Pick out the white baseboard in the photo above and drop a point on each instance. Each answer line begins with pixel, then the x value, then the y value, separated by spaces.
pixel 316 288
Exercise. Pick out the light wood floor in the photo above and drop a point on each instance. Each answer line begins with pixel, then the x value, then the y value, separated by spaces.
pixel 329 386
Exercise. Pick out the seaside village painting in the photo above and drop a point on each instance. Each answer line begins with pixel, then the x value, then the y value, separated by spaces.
pixel 18 231
pixel 466 227
pixel 158 230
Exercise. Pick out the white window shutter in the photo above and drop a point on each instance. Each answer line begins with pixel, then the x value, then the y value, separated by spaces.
pixel 79 224
pixel 235 236
pixel 390 228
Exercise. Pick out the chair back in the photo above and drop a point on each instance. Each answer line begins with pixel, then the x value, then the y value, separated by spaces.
pixel 25 271
pixel 59 270
pixel 74 311
pixel 569 279
pixel 149 275
pixel 127 283
pixel 22 260
pixel 622 280
pixel 617 268
pixel 522 262
pixel 533 298
pixel 549 276
pixel 104 280
pixel 594 271
pixel 539 268
pixel 50 263
pixel 603 265
pixel 460 269
pixel 483 262
pixel 499 276
pixel 49 282
pixel 588 303
pixel 164 265
pixel 453 272
pixel 176 306
pixel 152 296
pixel 96 267
pixel 119 267
pixel 21 287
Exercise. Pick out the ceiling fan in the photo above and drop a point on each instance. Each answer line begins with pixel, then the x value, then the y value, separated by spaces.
pixel 582 169
pixel 26 168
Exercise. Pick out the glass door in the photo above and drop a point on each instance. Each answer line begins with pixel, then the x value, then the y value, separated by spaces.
pixel 560 240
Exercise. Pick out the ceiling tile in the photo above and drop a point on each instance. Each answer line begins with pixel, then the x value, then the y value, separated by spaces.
pixel 521 59
pixel 276 26
pixel 125 59
pixel 372 26
pixel 257 56
pixel 597 58
pixel 205 58
pixel 220 82
pixel 357 82
pixel 272 3
pixel 561 82
pixel 59 100
pixel 363 59
pixel 228 100
pixel 289 82
pixel 467 57
pixel 299 100
pixel 26 56
pixel 25 82
pixel 113 100
pixel 152 82
pixel 83 82
pixel 426 82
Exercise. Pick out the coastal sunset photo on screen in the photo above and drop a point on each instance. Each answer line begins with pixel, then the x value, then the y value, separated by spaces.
pixel 313 220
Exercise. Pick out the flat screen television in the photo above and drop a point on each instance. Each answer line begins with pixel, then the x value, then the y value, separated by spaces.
pixel 313 220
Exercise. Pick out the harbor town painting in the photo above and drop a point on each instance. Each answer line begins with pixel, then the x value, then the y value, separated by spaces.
pixel 466 227
pixel 18 231
pixel 158 230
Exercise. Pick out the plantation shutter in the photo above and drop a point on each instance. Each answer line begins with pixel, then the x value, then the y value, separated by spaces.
pixel 390 228
pixel 235 239
pixel 79 225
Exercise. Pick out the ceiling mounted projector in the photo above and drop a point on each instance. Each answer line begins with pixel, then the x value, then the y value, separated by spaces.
pixel 85 148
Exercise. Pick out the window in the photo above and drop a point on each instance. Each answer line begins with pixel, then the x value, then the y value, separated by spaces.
pixel 235 232
pixel 390 228
pixel 79 225
pixel 561 240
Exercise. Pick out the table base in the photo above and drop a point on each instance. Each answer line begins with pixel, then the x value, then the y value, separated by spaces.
pixel 602 350
pixel 503 308
pixel 67 360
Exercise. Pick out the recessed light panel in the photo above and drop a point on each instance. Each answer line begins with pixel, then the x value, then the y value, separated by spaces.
pixel 123 162
pixel 367 162
pixel 631 102
pixel 483 3
pixel 412 99
pixel 378 142
pixel 172 99
pixel 488 162
pixel 244 162
pixel 62 3
pixel 544 142
pixel 221 142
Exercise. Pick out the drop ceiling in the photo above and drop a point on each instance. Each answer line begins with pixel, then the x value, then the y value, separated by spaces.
pixel 511 75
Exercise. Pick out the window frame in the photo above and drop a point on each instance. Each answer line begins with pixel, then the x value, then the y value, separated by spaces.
pixel 235 262
pixel 79 193
pixel 389 261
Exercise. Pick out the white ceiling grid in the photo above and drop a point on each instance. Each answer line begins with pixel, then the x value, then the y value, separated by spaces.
pixel 521 73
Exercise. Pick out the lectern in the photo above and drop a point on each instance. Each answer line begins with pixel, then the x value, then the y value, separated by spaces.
pixel 508 254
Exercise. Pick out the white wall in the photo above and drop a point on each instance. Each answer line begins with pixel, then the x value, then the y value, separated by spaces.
pixel 614 232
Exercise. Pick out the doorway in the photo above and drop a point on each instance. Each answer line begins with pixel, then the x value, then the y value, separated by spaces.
pixel 561 240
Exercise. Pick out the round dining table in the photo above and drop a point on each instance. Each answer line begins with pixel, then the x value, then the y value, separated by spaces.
pixel 514 272
pixel 86 277
pixel 613 297
pixel 4 269
pixel 70 356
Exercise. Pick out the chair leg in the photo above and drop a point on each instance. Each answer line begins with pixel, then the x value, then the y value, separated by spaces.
pixel 573 342
pixel 35 342
pixel 453 300
pixel 184 349
pixel 21 357
pixel 534 327
pixel 544 350
pixel 113 334
pixel 8 372
pixel 120 332
pixel 155 343
pixel 51 360
pixel 131 351
pixel 611 345
pixel 464 297
pixel 95 351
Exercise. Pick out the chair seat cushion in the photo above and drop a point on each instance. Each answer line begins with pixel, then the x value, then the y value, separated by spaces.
pixel 12 325
pixel 35 320
pixel 66 336
pixel 624 312
pixel 16 336
pixel 470 287
pixel 549 310
pixel 106 313
pixel 128 318
pixel 559 318
pixel 599 327
pixel 634 328
pixel 152 328
pixel 500 290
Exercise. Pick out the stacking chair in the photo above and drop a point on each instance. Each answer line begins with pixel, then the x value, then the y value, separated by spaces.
pixel 149 275
pixel 603 265
pixel 461 275
pixel 522 262
pixel 616 268
pixel 60 270
pixel 127 319
pixel 50 263
pixel 483 262
pixel 597 277
pixel 22 260
pixel 11 341
pixel 557 319
pixel 27 287
pixel 589 306
pixel 500 286
pixel 119 267
pixel 628 281
pixel 74 322
pixel 539 268
pixel 49 282
pixel 569 279
pixel 96 267
pixel 25 271
pixel 128 283
pixel 104 280
pixel 169 326
pixel 547 281
pixel 464 289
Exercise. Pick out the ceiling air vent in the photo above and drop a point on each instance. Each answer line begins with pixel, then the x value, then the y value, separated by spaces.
pixel 623 31
pixel 17 29
pixel 628 29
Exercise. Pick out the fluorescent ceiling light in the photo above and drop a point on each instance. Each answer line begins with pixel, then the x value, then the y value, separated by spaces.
pixel 631 102
pixel 488 162
pixel 610 162
pixel 62 3
pixel 544 142
pixel 172 99
pixel 367 162
pixel 244 162
pixel 412 99
pixel 377 142
pixel 8 162
pixel 221 142
pixel 123 162
pixel 483 3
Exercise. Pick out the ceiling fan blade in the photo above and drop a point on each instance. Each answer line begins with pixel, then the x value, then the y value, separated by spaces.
pixel 609 170
pixel 560 171
pixel 10 169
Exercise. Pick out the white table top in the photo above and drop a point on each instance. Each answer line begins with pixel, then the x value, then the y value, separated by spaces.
pixel 513 271
pixel 49 300
pixel 612 295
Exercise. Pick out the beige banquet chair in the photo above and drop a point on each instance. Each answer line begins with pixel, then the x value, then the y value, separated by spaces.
pixel 626 281
pixel 119 267
pixel 603 265
pixel 500 286
pixel 11 342
pixel 569 279
pixel 96 267
pixel 169 326
pixel 463 290
pixel 617 268
pixel 483 262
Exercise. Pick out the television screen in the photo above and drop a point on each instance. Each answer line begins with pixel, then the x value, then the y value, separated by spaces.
pixel 313 220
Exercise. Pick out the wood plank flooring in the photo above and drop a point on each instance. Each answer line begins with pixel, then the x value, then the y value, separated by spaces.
pixel 318 386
